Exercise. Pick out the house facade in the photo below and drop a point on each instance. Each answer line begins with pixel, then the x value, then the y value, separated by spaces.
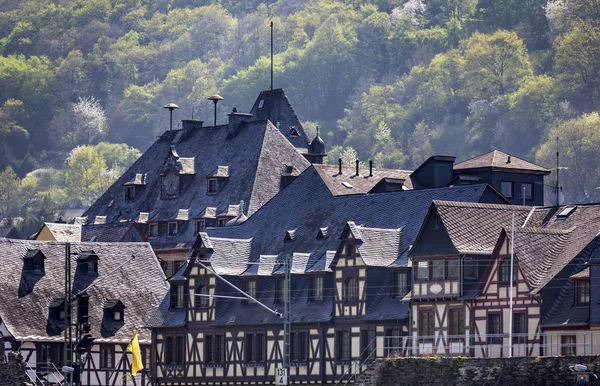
pixel 115 287
pixel 350 277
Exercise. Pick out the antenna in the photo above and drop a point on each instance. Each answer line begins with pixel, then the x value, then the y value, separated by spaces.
pixel 271 55
pixel 557 171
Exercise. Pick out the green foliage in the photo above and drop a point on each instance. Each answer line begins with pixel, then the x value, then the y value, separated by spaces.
pixel 388 80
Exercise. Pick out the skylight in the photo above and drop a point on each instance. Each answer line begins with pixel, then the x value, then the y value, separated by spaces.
pixel 347 185
pixel 566 212
pixel 261 103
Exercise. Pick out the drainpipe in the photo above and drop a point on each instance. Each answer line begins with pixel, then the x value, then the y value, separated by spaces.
pixel 323 342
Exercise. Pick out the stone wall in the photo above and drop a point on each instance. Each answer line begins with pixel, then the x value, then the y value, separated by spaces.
pixel 547 371
pixel 14 371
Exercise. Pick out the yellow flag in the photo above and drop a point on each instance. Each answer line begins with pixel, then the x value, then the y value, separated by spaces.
pixel 136 355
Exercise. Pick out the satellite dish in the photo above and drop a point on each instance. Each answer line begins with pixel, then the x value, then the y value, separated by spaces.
pixel 560 199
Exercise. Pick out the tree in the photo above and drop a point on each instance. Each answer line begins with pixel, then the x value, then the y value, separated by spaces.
pixel 578 64
pixel 579 147
pixel 9 188
pixel 87 177
pixel 82 123
pixel 493 64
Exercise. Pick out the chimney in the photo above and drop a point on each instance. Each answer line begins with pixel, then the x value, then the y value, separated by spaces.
pixel 340 163
pixel 357 163
pixel 189 125
pixel 370 168
pixel 236 119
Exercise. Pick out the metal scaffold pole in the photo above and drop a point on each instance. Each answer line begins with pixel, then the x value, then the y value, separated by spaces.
pixel 287 317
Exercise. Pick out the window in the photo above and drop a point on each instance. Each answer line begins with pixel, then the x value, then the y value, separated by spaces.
pixel 118 315
pixel 37 264
pixel 437 269
pixel 504 271
pixel 494 329
pixel 107 356
pixel 50 355
pixel 316 288
pixel 350 290
pixel 92 266
pixel 527 190
pixel 343 345
pixel 423 270
pixel 426 323
pixel 350 249
pixel 298 345
pixel 506 188
pixel 177 295
pixel 519 328
pixel 250 290
pixel 200 226
pixel 279 289
pixel 130 193
pixel 213 349
pixel 391 343
pixel 172 229
pixel 179 350
pixel 223 222
pixel 368 347
pixel 153 230
pixel 169 357
pixel 583 292
pixel 452 269
pixel 254 350
pixel 457 322
pixel 470 267
pixel 400 285
pixel 211 186
pixel 202 299
pixel 568 345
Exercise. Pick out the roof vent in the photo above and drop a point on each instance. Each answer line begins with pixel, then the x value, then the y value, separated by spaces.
pixel 508 160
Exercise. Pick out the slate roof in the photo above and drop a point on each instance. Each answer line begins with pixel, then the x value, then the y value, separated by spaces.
pixel 499 161
pixel 392 219
pixel 349 183
pixel 64 232
pixel 254 156
pixel 9 233
pixel 114 232
pixel 474 228
pixel 380 306
pixel 25 297
pixel 277 108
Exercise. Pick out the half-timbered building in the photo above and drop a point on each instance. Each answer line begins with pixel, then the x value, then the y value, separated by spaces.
pixel 350 275
pixel 124 284
pixel 461 296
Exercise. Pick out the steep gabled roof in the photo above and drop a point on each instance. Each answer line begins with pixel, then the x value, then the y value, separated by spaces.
pixel 114 232
pixel 500 161
pixel 255 155
pixel 474 228
pixel 24 300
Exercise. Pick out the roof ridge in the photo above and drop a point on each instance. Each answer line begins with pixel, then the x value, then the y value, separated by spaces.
pixel 480 205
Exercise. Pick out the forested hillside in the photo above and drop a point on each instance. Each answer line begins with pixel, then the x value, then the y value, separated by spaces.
pixel 392 80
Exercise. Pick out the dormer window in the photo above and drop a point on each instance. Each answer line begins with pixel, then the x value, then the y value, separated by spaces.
pixel 583 292
pixel 153 229
pixel 130 193
pixel 177 295
pixel 34 261
pixel 87 262
pixel 400 284
pixel 279 289
pixel 250 289
pixel 114 310
pixel 57 309
pixel 172 229
pixel 316 288
pixel 223 222
pixel 212 185
pixel 200 226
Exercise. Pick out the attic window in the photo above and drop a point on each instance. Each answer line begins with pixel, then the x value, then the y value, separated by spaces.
pixel 347 185
pixel 294 132
pixel 200 226
pixel 566 212
pixel 261 104
pixel 153 230
pixel 34 261
pixel 172 229
pixel 114 310
pixel 130 193
pixel 212 185
pixel 88 262
pixel 223 222
pixel 57 309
